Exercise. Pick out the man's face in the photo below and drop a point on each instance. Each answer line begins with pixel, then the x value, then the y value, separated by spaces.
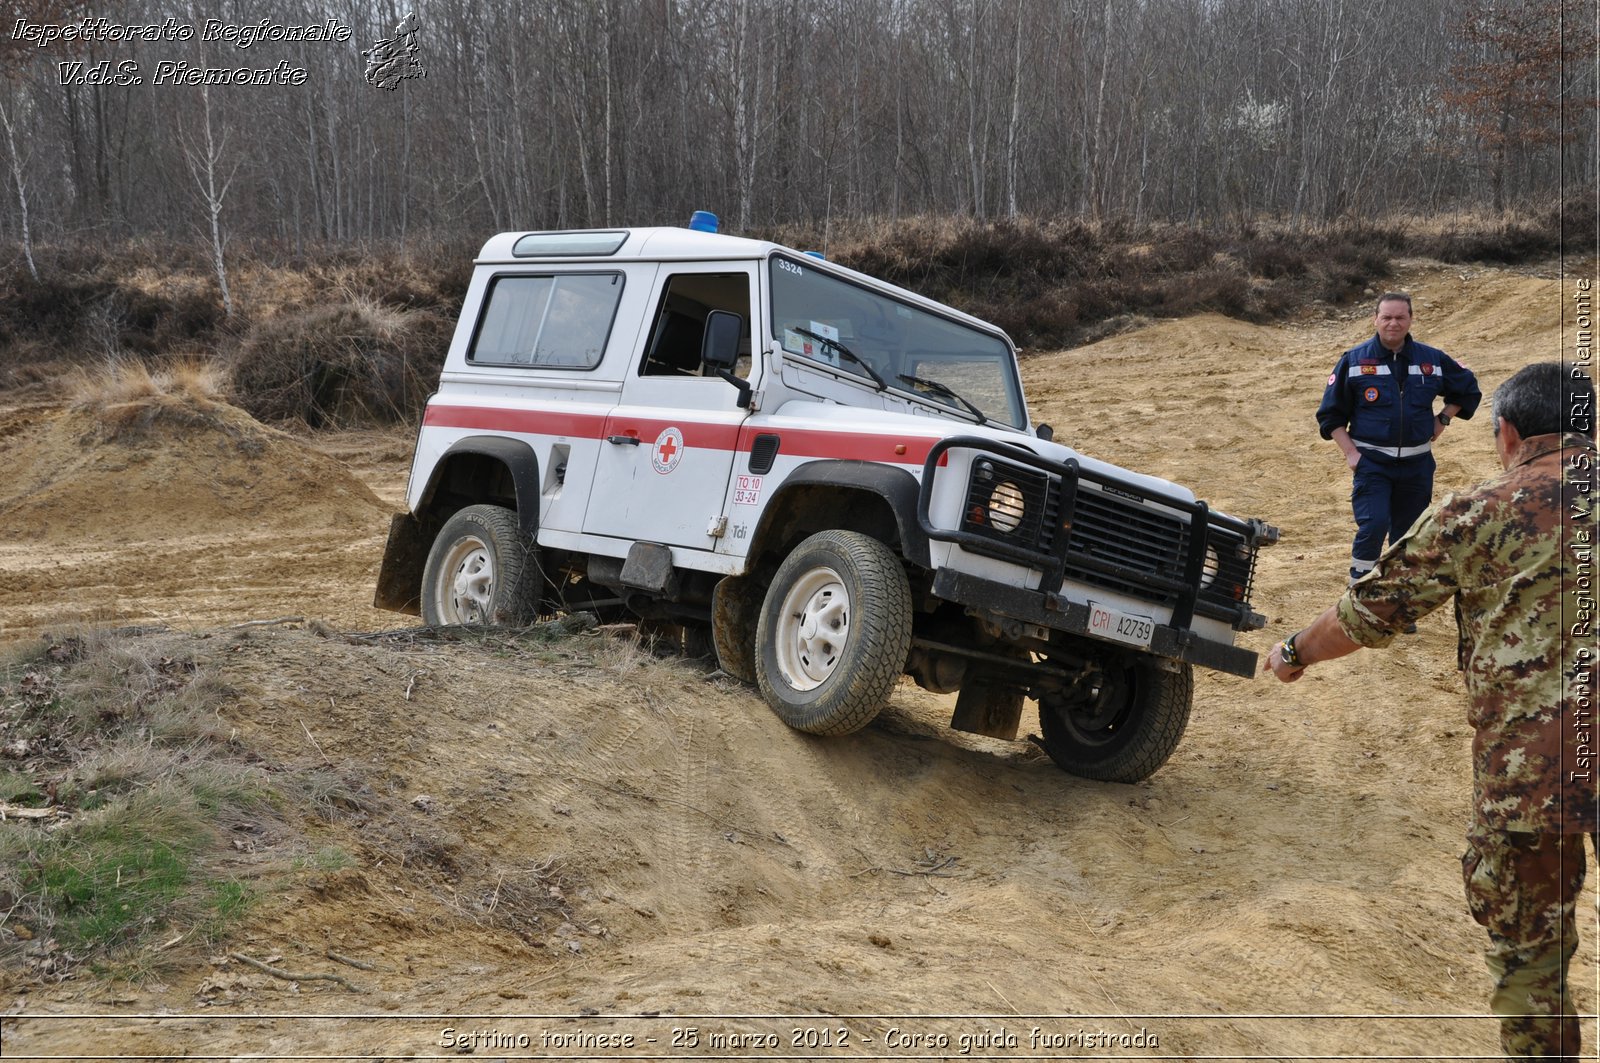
pixel 1393 322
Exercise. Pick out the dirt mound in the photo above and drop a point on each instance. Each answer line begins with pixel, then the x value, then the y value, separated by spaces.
pixel 177 512
pixel 203 467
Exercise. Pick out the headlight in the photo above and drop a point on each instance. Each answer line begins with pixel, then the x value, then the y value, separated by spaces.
pixel 1007 506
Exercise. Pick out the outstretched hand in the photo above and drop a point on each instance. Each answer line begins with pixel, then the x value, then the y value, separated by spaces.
pixel 1275 664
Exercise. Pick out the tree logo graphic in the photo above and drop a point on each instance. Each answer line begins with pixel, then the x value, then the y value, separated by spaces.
pixel 394 59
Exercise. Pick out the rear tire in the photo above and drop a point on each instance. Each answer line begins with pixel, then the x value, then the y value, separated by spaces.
pixel 834 632
pixel 481 570
pixel 1123 728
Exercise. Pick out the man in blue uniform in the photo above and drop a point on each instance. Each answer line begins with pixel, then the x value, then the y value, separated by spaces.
pixel 1379 408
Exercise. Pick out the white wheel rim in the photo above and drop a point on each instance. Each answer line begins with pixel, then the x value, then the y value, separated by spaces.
pixel 813 628
pixel 466 582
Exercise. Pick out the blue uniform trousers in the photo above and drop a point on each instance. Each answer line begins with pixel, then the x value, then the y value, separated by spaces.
pixel 1388 496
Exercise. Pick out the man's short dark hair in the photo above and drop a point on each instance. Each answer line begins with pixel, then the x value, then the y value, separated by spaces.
pixel 1547 397
pixel 1394 297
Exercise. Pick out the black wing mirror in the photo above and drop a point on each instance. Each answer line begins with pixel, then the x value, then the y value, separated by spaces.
pixel 719 350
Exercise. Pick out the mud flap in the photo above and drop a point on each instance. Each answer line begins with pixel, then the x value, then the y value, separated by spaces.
pixel 735 607
pixel 400 576
pixel 988 705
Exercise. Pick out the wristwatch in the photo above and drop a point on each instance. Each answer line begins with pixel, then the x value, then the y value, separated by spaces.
pixel 1443 418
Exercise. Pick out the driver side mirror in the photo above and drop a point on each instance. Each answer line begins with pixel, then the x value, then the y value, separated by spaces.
pixel 720 347
pixel 719 350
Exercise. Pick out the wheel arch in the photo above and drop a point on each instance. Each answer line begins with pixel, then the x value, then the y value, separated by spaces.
pixel 485 468
pixel 883 505
pixel 474 469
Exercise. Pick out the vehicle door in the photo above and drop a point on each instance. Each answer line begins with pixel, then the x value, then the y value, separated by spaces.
pixel 667 451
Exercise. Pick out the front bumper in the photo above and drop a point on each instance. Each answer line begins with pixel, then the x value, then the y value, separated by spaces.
pixel 1059 614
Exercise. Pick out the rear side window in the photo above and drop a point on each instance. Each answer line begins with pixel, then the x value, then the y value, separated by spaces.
pixel 556 320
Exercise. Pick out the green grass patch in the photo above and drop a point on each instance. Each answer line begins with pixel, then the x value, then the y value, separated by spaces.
pixel 18 788
pixel 328 859
pixel 146 781
pixel 125 868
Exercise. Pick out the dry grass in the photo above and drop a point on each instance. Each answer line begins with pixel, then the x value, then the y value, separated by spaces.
pixel 341 335
pixel 1058 281
pixel 122 382
pixel 128 397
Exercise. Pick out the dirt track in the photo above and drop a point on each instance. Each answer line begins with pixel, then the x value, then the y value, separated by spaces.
pixel 604 831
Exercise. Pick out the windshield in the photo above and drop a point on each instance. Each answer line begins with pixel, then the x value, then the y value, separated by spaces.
pixel 816 315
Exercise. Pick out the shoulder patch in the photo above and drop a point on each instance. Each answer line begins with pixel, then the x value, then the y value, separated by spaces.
pixel 1333 378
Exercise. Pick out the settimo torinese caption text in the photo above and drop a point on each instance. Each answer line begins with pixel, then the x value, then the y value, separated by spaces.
pixel 242 36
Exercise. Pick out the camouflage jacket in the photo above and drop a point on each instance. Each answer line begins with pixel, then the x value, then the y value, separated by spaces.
pixel 1516 553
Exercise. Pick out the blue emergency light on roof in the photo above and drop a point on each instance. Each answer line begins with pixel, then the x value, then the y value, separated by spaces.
pixel 703 221
pixel 818 254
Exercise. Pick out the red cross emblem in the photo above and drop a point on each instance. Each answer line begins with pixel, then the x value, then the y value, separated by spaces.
pixel 1427 368
pixel 668 451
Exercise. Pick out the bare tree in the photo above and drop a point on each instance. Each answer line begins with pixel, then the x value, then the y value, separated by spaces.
pixel 19 179
pixel 205 160
pixel 770 111
pixel 1510 78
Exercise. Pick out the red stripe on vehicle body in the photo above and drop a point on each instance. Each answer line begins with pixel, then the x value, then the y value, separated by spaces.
pixel 532 422
pixel 845 446
pixel 796 442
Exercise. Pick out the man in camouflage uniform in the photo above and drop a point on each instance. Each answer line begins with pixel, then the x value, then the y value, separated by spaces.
pixel 1510 553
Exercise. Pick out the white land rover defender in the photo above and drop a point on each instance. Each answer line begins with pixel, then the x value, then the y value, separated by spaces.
pixel 833 478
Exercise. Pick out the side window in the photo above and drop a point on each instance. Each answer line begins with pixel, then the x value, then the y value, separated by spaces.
pixel 679 326
pixel 560 320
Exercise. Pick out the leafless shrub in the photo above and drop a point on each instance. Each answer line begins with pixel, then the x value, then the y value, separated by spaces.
pixel 354 362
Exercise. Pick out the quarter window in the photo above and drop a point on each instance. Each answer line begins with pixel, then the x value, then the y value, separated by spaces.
pixel 557 321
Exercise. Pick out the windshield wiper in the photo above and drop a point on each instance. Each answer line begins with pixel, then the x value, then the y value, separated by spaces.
pixel 883 385
pixel 946 390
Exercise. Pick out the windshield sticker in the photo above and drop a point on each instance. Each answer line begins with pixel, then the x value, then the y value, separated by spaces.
pixel 668 451
pixel 827 332
pixel 793 341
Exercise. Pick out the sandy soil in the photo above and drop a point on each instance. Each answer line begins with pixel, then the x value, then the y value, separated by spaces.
pixel 579 840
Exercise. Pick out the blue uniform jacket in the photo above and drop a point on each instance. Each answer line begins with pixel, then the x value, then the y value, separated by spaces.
pixel 1387 399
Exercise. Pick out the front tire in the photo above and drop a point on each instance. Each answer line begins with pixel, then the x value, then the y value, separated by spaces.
pixel 1123 725
pixel 481 570
pixel 834 632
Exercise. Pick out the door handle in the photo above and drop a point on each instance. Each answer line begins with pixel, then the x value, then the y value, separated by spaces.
pixel 623 441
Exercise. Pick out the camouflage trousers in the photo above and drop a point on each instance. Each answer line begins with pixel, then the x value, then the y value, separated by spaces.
pixel 1523 887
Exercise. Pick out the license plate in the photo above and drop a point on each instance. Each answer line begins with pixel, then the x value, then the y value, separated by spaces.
pixel 1114 624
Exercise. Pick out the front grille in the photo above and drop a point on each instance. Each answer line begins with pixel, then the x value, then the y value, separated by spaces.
pixel 1130 538
pixel 1115 541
